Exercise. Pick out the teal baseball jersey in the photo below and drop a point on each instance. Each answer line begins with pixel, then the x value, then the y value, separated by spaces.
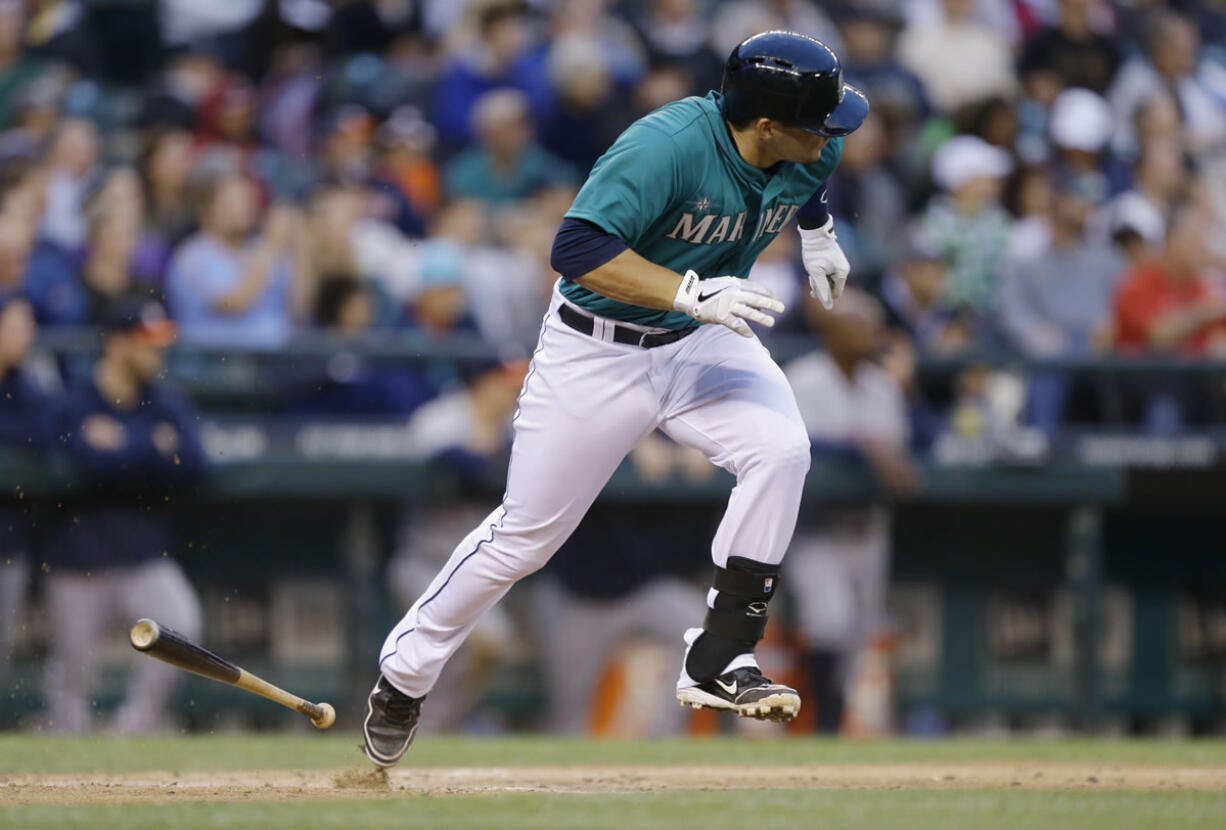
pixel 674 188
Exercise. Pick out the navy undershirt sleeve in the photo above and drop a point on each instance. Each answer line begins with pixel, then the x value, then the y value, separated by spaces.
pixel 580 247
pixel 815 212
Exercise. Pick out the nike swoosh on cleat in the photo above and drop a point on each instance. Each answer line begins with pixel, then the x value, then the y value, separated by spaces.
pixel 729 688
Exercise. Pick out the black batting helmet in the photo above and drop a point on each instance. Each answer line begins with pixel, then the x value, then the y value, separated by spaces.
pixel 793 79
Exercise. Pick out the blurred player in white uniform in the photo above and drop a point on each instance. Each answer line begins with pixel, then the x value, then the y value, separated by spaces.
pixel 839 564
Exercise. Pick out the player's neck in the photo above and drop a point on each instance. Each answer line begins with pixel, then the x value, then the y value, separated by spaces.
pixel 751 150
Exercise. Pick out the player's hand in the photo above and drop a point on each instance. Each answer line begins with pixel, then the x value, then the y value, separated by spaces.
pixel 825 262
pixel 729 301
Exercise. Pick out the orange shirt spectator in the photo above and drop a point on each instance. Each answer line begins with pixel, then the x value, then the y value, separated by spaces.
pixel 1171 304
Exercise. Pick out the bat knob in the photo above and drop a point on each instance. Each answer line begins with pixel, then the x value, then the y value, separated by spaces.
pixel 327 716
pixel 144 634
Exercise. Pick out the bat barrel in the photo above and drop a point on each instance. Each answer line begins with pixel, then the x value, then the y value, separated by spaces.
pixel 144 634
pixel 173 648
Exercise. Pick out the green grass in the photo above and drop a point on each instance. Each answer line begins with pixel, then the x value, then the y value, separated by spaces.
pixel 875 809
pixel 36 753
pixel 829 810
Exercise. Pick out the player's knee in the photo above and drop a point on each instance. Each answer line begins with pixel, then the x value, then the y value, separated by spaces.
pixel 785 452
pixel 514 555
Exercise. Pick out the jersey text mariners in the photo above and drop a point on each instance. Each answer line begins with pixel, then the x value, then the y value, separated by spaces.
pixel 674 188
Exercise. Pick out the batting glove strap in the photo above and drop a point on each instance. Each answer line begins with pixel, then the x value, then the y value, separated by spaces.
pixel 825 263
pixel 729 301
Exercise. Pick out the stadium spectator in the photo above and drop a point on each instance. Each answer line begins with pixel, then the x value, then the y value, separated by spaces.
pixel 1081 125
pixel 24 404
pixel 677 35
pixel 70 161
pixel 113 262
pixel 227 289
pixel 108 553
pixel 507 164
pixel 117 259
pixel 621 52
pixel 345 308
pixel 1173 304
pixel 503 54
pixel 288 100
pixel 871 65
pixel 591 109
pixel 738 19
pixel 1057 303
pixel 916 302
pixel 957 59
pixel 165 170
pixel 1160 182
pixel 231 32
pixel 1172 63
pixel 1028 195
pixel 509 279
pixel 439 305
pixel 403 145
pixel 367 26
pixel 967 223
pixel 839 563
pixel 1072 52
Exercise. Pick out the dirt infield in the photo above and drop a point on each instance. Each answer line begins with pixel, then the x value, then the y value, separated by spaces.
pixel 283 785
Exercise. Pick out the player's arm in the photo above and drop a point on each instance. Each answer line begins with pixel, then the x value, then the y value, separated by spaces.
pixel 601 262
pixel 823 259
pixel 632 279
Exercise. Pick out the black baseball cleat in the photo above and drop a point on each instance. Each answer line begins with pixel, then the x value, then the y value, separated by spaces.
pixel 391 722
pixel 746 692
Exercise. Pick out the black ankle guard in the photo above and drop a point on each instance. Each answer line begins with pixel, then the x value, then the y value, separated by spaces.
pixel 736 623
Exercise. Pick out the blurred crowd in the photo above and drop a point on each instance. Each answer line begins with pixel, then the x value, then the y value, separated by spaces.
pixel 1045 177
pixel 1038 178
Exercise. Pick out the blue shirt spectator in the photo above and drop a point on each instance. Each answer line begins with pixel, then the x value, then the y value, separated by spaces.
pixel 503 57
pixel 225 289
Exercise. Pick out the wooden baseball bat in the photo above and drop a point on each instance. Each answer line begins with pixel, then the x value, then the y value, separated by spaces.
pixel 173 648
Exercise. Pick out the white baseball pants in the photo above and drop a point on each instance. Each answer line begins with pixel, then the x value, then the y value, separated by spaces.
pixel 88 606
pixel 585 403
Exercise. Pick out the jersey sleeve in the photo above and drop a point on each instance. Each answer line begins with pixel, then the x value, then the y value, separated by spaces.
pixel 632 184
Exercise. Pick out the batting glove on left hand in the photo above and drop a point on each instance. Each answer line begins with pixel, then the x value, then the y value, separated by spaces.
pixel 825 262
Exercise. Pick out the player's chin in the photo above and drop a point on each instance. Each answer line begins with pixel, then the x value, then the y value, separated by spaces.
pixel 808 156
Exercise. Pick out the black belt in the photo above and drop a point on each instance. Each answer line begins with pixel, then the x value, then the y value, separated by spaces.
pixel 622 334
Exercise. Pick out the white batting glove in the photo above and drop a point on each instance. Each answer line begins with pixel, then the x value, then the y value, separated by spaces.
pixel 825 262
pixel 729 301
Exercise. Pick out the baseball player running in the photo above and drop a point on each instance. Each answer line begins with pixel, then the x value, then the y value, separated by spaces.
pixel 649 328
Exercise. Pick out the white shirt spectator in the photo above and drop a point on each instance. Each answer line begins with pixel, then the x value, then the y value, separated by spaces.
pixel 958 62
pixel 186 20
pixel 1202 102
